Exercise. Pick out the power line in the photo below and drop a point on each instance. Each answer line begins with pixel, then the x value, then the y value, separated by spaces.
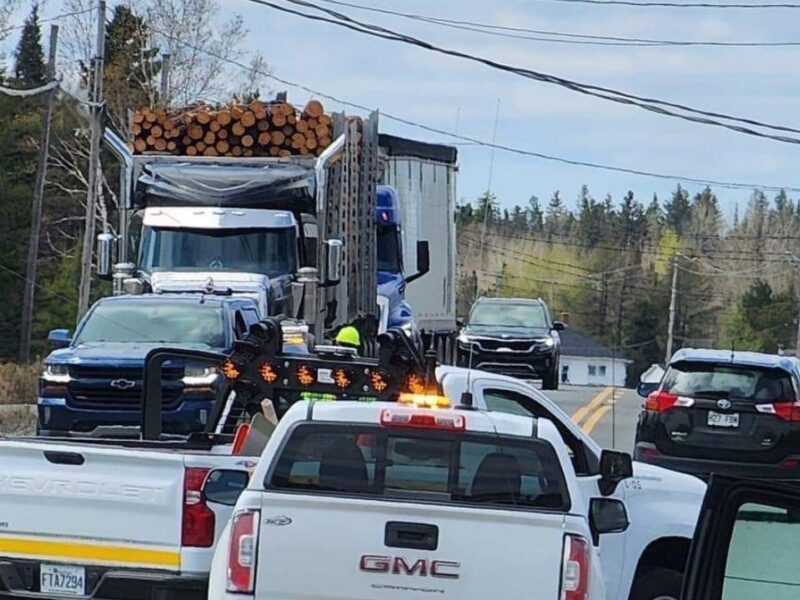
pixel 485 143
pixel 680 4
pixel 48 19
pixel 653 105
pixel 554 36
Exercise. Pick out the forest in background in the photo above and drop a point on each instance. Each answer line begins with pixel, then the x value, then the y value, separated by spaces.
pixel 609 264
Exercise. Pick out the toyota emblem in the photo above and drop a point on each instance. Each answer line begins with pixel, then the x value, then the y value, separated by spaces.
pixel 123 384
pixel 724 404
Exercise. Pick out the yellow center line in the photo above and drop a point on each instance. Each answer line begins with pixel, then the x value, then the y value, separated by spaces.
pixel 598 415
pixel 596 401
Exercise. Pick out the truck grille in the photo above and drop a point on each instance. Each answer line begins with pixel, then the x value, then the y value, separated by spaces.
pixel 91 388
pixel 491 345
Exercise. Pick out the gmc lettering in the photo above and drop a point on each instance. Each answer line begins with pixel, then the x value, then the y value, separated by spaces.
pixel 397 565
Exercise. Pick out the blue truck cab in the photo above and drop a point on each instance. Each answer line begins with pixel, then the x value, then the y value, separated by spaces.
pixel 391 277
pixel 92 381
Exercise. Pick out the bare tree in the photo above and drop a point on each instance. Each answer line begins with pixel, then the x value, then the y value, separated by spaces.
pixel 200 44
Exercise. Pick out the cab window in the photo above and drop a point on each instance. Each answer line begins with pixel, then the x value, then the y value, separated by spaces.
pixel 514 403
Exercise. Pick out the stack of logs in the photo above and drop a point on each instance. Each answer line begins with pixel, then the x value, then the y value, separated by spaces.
pixel 255 129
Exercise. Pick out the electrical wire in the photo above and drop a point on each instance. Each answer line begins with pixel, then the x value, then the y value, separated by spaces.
pixel 572 38
pixel 49 19
pixel 661 4
pixel 653 105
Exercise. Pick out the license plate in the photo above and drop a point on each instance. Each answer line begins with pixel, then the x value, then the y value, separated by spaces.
pixel 723 420
pixel 57 579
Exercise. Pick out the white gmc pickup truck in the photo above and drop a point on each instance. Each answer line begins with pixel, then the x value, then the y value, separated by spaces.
pixel 383 500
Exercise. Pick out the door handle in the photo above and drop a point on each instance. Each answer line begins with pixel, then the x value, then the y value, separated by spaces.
pixel 65 458
pixel 415 536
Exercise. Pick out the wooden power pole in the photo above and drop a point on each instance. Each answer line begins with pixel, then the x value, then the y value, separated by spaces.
pixel 36 206
pixel 95 180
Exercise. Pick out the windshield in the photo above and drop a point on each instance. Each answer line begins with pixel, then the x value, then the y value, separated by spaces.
pixel 699 380
pixel 163 322
pixel 389 249
pixel 509 315
pixel 271 252
pixel 469 469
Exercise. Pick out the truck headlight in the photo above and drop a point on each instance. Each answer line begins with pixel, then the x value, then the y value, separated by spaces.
pixel 199 376
pixel 549 342
pixel 463 338
pixel 56 374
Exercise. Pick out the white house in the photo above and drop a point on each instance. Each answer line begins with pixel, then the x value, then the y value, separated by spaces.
pixel 585 361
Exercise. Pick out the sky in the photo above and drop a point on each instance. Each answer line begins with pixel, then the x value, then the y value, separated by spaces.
pixel 451 94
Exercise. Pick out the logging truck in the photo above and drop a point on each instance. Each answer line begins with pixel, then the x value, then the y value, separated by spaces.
pixel 305 229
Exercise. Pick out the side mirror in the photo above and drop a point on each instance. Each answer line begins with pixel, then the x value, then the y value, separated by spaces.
pixel 615 467
pixel 423 261
pixel 223 486
pixel 559 326
pixel 645 388
pixel 105 254
pixel 59 338
pixel 607 515
pixel 333 259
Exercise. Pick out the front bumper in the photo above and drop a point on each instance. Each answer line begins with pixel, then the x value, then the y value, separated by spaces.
pixel 647 452
pixel 56 417
pixel 531 365
pixel 20 579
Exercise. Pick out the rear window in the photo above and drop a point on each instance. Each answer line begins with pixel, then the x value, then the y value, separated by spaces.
pixel 707 380
pixel 449 468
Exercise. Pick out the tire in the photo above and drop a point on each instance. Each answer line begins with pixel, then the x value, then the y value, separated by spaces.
pixel 550 380
pixel 657 583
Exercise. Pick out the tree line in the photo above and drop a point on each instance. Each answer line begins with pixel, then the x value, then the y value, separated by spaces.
pixel 609 264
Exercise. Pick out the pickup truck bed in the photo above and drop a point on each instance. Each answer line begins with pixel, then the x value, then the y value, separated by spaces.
pixel 78 518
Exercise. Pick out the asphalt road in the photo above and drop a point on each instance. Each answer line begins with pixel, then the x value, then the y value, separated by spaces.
pixel 608 415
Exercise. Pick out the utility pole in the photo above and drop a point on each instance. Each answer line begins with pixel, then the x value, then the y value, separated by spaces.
pixel 672 300
pixel 36 206
pixel 94 178
pixel 796 261
pixel 487 207
pixel 165 67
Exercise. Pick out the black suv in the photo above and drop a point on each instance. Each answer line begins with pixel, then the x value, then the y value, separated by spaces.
pixel 720 411
pixel 512 336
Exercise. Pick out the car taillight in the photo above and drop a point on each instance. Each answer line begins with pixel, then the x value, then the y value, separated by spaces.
pixel 198 518
pixel 661 401
pixel 242 552
pixel 575 568
pixel 788 411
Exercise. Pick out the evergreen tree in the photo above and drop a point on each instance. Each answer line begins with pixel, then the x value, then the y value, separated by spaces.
pixel 535 215
pixel 29 67
pixel 677 210
pixel 555 217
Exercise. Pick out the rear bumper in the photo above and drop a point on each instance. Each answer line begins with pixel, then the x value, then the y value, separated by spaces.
pixel 788 469
pixel 21 580
pixel 56 417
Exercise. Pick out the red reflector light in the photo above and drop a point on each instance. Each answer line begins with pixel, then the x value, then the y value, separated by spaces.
pixel 575 568
pixel 198 519
pixel 419 419
pixel 790 464
pixel 242 552
pixel 660 401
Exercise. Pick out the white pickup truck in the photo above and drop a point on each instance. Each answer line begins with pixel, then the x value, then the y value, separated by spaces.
pixel 130 519
pixel 386 500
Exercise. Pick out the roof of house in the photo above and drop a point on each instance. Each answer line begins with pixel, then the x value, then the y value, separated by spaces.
pixel 575 343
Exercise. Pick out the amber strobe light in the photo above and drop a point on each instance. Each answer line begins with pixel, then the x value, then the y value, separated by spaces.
pixel 342 379
pixel 415 384
pixel 268 372
pixel 305 375
pixel 230 369
pixel 378 381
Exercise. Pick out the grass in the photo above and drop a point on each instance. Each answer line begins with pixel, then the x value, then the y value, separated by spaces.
pixel 18 383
